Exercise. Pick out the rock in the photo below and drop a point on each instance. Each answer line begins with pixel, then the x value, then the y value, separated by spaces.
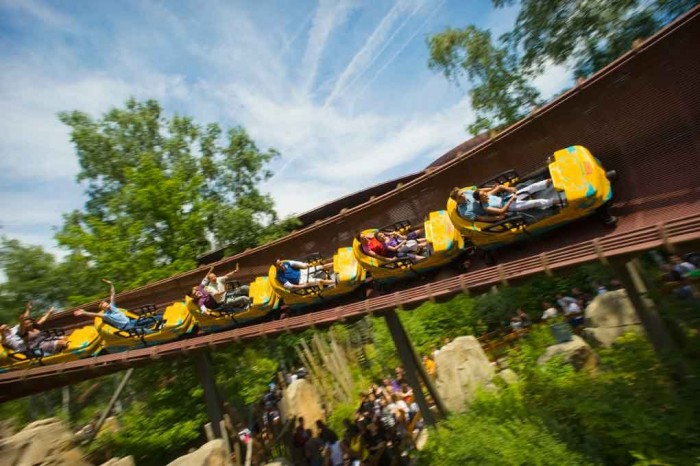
pixel 279 462
pixel 44 442
pixel 462 368
pixel 126 461
pixel 609 316
pixel 66 458
pixel 422 439
pixel 7 428
pixel 301 399
pixel 110 426
pixel 577 352
pixel 210 454
pixel 508 376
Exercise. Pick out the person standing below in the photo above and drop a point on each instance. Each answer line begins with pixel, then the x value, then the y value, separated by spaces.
pixel 299 440
pixel 525 319
pixel 376 444
pixel 430 367
pixel 550 312
pixel 326 434
pixel 568 304
pixel 313 448
pixel 333 454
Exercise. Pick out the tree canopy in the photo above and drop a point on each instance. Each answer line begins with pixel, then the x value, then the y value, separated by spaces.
pixel 579 34
pixel 162 191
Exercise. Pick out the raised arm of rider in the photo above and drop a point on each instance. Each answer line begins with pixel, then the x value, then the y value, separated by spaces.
pixel 112 293
pixel 45 316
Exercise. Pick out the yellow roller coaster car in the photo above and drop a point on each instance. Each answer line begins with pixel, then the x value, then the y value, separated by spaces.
pixel 82 342
pixel 444 243
pixel 346 272
pixel 580 186
pixel 152 328
pixel 263 301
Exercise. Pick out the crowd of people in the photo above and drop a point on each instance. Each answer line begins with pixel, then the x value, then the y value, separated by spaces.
pixel 683 273
pixel 380 433
pixel 570 307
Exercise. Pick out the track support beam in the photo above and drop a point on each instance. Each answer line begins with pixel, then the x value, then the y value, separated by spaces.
pixel 630 275
pixel 406 354
pixel 212 398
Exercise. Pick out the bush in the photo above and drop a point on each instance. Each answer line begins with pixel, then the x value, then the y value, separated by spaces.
pixel 480 440
pixel 627 413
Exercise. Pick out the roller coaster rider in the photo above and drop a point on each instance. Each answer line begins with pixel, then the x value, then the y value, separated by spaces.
pixel 115 317
pixel 216 288
pixel 297 274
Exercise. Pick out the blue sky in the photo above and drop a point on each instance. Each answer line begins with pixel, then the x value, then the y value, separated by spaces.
pixel 341 88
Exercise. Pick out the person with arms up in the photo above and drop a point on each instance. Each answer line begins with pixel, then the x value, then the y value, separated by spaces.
pixel 111 314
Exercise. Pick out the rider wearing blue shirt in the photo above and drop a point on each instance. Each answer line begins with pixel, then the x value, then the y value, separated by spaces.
pixel 111 314
pixel 290 275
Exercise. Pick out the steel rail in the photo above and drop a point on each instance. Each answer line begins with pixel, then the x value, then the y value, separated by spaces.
pixel 21 383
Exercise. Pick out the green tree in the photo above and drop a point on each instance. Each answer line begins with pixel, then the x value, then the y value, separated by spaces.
pixel 580 34
pixel 500 92
pixel 161 191
pixel 32 274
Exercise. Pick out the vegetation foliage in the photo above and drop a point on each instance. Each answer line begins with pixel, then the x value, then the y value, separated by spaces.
pixel 627 413
pixel 160 191
pixel 582 35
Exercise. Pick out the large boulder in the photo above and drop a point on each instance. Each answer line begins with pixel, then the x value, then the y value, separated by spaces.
pixel 576 352
pixel 508 376
pixel 7 428
pixel 462 369
pixel 126 461
pixel 301 399
pixel 609 316
pixel 45 442
pixel 212 453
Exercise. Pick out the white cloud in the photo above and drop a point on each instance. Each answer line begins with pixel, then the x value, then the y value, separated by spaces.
pixel 33 143
pixel 553 79
pixel 42 12
pixel 375 44
pixel 400 50
pixel 329 15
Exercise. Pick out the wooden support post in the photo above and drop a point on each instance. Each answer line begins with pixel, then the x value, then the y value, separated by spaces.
pixel 249 453
pixel 629 275
pixel 212 399
pixel 209 432
pixel 65 402
pixel 112 401
pixel 237 453
pixel 395 328
pixel 227 442
pixel 423 374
